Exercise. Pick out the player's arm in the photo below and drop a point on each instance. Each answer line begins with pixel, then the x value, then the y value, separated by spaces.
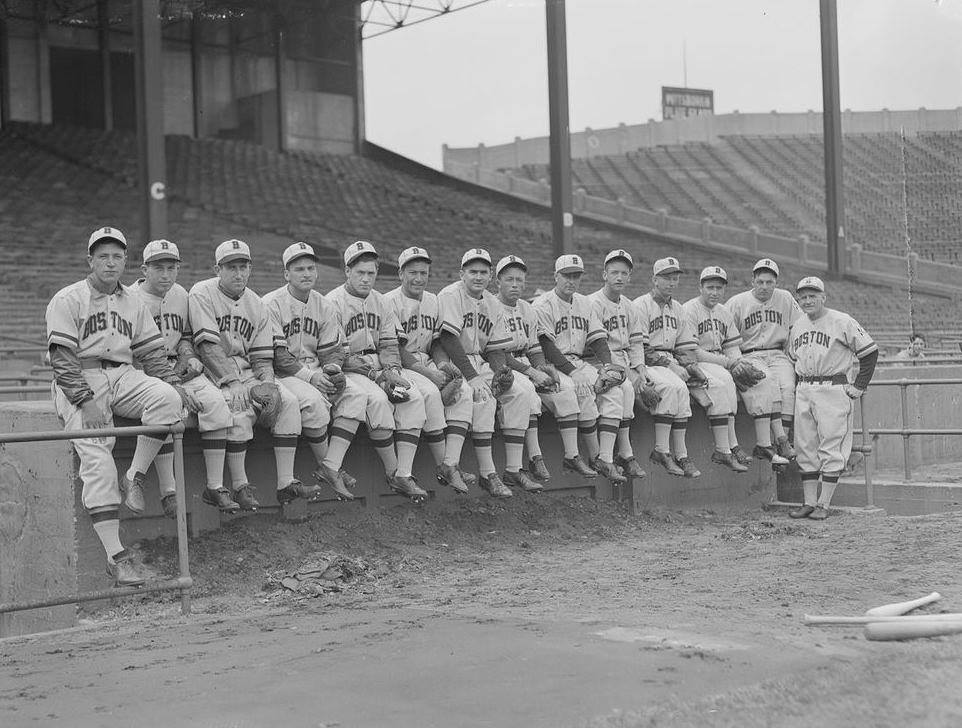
pixel 866 351
pixel 285 365
pixel 554 356
pixel 450 344
pixel 388 348
pixel 599 347
pixel 68 375
pixel 261 352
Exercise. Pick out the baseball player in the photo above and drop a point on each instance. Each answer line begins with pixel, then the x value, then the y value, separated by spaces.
pixel 763 316
pixel 474 338
pixel 96 329
pixel 717 349
pixel 417 310
pixel 570 333
pixel 233 335
pixel 626 341
pixel 670 338
pixel 308 357
pixel 824 344
pixel 392 407
pixel 166 300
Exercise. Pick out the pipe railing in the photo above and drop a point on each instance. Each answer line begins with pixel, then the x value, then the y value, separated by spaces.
pixel 183 582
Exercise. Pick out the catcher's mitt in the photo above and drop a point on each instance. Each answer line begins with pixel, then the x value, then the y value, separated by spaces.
pixel 696 377
pixel 334 373
pixel 746 374
pixel 646 393
pixel 501 381
pixel 451 389
pixel 609 377
pixel 267 400
pixel 395 386
pixel 555 384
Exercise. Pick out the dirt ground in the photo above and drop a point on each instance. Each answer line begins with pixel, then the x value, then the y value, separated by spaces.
pixel 538 611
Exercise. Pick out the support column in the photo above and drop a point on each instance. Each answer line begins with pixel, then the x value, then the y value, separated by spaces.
pixel 360 132
pixel 280 66
pixel 44 100
pixel 4 76
pixel 832 126
pixel 562 219
pixel 103 44
pixel 196 74
pixel 148 82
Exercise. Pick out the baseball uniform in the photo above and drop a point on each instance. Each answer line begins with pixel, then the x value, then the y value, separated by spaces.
pixel 626 339
pixel 715 332
pixel 668 329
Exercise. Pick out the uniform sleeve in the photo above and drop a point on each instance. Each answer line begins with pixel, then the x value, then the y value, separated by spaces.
pixel 500 339
pixel 330 334
pixel 790 345
pixel 596 330
pixel 686 337
pixel 794 310
pixel 203 323
pixel 273 307
pixel 388 351
pixel 545 320
pixel 733 337
pixel 146 334
pixel 262 345
pixel 857 339
pixel 531 321
pixel 63 322
pixel 450 315
pixel 643 318
pixel 732 306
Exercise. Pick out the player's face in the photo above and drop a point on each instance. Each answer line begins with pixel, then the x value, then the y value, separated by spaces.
pixel 617 275
pixel 763 284
pixel 361 277
pixel 665 285
pixel 917 346
pixel 476 276
pixel 160 275
pixel 712 291
pixel 567 284
pixel 511 284
pixel 107 262
pixel 811 301
pixel 414 278
pixel 234 275
pixel 301 274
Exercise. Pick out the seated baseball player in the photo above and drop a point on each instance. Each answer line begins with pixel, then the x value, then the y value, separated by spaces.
pixel 474 338
pixel 96 330
pixel 234 337
pixel 668 333
pixel 392 407
pixel 308 356
pixel 447 397
pixel 569 332
pixel 166 300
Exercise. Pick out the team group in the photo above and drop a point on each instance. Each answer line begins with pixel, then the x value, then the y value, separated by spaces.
pixel 417 366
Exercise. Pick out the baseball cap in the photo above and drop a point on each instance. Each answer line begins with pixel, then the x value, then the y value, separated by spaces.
pixel 569 264
pixel 664 266
pixel 105 233
pixel 160 250
pixel 476 254
pixel 623 254
pixel 412 253
pixel 713 271
pixel 811 282
pixel 356 250
pixel 766 264
pixel 295 251
pixel 510 260
pixel 232 250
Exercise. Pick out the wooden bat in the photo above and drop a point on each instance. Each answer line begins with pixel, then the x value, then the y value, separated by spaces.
pixel 886 631
pixel 891 610
pixel 908 618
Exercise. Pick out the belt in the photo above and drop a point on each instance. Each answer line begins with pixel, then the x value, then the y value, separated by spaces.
pixel 518 353
pixel 762 348
pixel 830 379
pixel 368 351
pixel 99 364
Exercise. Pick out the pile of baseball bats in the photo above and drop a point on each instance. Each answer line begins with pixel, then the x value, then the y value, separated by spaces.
pixel 893 621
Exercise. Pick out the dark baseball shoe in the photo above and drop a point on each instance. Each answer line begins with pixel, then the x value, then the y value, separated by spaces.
pixel 538 469
pixel 819 513
pixel 296 489
pixel 784 448
pixel 244 495
pixel 741 456
pixel 522 480
pixel 350 482
pixel 408 487
pixel 121 570
pixel 666 461
pixel 802 512
pixel 168 502
pixel 470 479
pixel 688 468
pixel 450 475
pixel 495 487
pixel 133 491
pixel 769 454
pixel 728 460
pixel 630 466
pixel 609 470
pixel 335 479
pixel 578 466
pixel 221 500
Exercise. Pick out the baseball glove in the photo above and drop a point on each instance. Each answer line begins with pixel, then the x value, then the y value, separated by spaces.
pixel 451 389
pixel 609 377
pixel 696 377
pixel 501 381
pixel 655 358
pixel 334 373
pixel 550 370
pixel 394 385
pixel 267 400
pixel 646 393
pixel 746 374
pixel 183 370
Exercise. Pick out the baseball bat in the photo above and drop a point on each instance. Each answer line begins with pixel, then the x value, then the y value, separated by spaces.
pixel 891 610
pixel 886 631
pixel 908 618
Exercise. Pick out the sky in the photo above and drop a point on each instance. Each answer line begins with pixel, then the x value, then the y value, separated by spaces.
pixel 479 75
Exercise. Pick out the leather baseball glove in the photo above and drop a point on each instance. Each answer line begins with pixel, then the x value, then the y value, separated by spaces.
pixel 697 379
pixel 267 400
pixel 746 374
pixel 555 385
pixel 334 373
pixel 451 389
pixel 655 358
pixel 184 370
pixel 646 393
pixel 609 377
pixel 501 381
pixel 394 385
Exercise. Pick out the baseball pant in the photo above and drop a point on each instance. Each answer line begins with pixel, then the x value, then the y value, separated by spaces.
pixel 720 397
pixel 779 369
pixel 434 419
pixel 611 404
pixel 675 399
pixel 124 391
pixel 824 422
pixel 288 419
pixel 514 405
pixel 314 406
pixel 524 380
pixel 376 409
pixel 627 388
pixel 215 413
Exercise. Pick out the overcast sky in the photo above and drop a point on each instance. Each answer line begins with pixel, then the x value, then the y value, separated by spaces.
pixel 480 75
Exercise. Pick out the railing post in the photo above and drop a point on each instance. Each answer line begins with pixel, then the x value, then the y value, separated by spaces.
pixel 904 394
pixel 182 555
pixel 869 486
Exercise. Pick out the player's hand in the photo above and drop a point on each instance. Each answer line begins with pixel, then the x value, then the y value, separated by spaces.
pixel 237 396
pixel 190 401
pixel 392 376
pixel 322 382
pixel 679 370
pixel 584 379
pixel 194 365
pixel 94 418
pixel 480 389
pixel 853 392
pixel 436 376
pixel 540 379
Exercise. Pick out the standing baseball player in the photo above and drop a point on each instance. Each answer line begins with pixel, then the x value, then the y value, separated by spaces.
pixel 824 344
pixel 96 329
pixel 670 341
pixel 234 337
pixel 446 422
pixel 474 338
pixel 392 407
pixel 763 316
pixel 570 333
pixel 166 300
pixel 308 356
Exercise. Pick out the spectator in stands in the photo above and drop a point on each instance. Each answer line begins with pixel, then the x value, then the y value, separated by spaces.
pixel 915 349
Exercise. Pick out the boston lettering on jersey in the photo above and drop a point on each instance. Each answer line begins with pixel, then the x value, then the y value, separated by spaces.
pixel 170 322
pixel 613 323
pixel 98 322
pixel 485 325
pixel 812 338
pixel 305 325
pixel 516 324
pixel 763 315
pixel 575 323
pixel 361 320
pixel 712 324
pixel 419 321
pixel 661 322
pixel 238 324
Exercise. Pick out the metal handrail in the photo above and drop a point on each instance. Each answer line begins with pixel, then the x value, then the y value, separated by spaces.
pixel 184 582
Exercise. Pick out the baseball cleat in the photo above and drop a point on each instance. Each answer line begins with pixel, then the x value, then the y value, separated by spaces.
pixel 522 480
pixel 819 513
pixel 688 468
pixel 538 469
pixel 630 466
pixel 578 466
pixel 244 495
pixel 449 475
pixel 335 479
pixel 666 461
pixel 407 486
pixel 728 460
pixel 350 482
pixel 296 489
pixel 121 570
pixel 470 479
pixel 609 470
pixel 801 512
pixel 741 456
pixel 168 502
pixel 784 448
pixel 220 499
pixel 495 486
pixel 768 453
pixel 133 491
